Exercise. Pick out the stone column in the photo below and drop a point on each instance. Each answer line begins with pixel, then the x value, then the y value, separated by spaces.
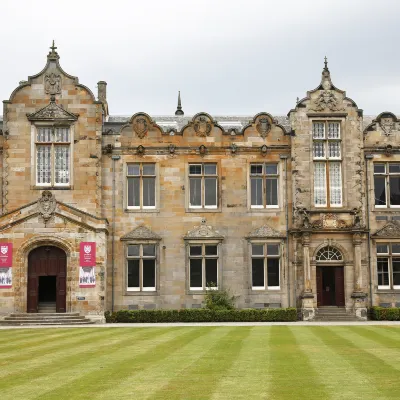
pixel 360 306
pixel 307 303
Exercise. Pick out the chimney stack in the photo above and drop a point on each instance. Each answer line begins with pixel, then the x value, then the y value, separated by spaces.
pixel 102 91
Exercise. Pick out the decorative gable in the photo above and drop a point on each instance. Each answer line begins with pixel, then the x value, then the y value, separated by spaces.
pixel 51 112
pixel 391 229
pixel 141 233
pixel 264 231
pixel 203 232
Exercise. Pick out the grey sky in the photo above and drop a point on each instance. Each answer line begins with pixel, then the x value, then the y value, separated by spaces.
pixel 226 57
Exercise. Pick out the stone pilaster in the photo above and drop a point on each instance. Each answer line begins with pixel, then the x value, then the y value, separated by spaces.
pixel 359 296
pixel 307 302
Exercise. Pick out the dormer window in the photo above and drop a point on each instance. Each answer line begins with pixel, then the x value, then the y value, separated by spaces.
pixel 53 156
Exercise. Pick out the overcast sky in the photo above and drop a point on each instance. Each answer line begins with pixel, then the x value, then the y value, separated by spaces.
pixel 226 57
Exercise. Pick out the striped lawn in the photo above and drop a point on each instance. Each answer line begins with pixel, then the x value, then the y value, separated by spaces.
pixel 192 363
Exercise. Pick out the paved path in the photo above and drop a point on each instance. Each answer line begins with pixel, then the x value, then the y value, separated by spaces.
pixel 168 325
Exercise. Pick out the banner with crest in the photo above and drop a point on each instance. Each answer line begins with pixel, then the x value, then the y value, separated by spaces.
pixel 87 277
pixel 5 278
pixel 87 254
pixel 6 255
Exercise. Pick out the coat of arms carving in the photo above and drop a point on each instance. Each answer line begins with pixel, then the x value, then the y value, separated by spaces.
pixel 263 127
pixel 47 205
pixel 326 100
pixel 202 126
pixel 141 127
pixel 52 83
pixel 387 125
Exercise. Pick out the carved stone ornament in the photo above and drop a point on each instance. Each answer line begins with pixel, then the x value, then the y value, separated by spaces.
pixel 52 83
pixel 202 126
pixel 203 232
pixel 141 233
pixel 263 126
pixel 141 126
pixel 326 100
pixel 47 205
pixel 391 229
pixel 387 125
pixel 51 112
pixel 329 221
pixel 264 231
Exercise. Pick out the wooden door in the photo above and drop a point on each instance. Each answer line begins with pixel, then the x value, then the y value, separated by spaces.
pixel 47 261
pixel 339 286
pixel 319 287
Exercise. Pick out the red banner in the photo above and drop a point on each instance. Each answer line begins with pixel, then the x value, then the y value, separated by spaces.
pixel 88 254
pixel 5 255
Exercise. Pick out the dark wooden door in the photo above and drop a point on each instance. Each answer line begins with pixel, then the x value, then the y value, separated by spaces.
pixel 47 261
pixel 339 286
pixel 319 286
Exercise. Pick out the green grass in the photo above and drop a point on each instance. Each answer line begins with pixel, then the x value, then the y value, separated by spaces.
pixel 193 363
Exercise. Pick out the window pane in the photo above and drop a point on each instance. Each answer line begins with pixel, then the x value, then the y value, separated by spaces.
pixel 380 190
pixel 256 191
pixel 149 273
pixel 149 169
pixel 195 169
pixel 195 191
pixel 394 182
pixel 256 169
pixel 211 250
pixel 272 191
pixel 334 149
pixel 61 159
pixel 44 135
pixel 133 192
pixel 196 279
pixel 133 273
pixel 195 250
pixel 61 134
pixel 319 184
pixel 272 249
pixel 211 272
pixel 257 249
pixel 383 271
pixel 273 272
pixel 396 271
pixel 319 149
pixel 382 249
pixel 394 168
pixel 318 130
pixel 133 250
pixel 271 169
pixel 149 192
pixel 396 248
pixel 43 154
pixel 257 272
pixel 210 191
pixel 134 169
pixel 333 130
pixel 379 168
pixel 210 169
pixel 335 182
pixel 149 250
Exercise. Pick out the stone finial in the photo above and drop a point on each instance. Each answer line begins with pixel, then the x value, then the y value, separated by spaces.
pixel 326 82
pixel 326 63
pixel 179 110
pixel 53 55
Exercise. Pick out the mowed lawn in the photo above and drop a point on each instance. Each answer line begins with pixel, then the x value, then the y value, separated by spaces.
pixel 271 362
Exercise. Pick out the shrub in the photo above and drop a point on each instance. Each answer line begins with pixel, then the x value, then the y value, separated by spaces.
pixel 219 299
pixel 203 315
pixel 385 314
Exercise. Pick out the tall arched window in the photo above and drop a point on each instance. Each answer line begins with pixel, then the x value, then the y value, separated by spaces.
pixel 329 253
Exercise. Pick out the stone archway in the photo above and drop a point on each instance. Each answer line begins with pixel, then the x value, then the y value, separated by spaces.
pixel 47 277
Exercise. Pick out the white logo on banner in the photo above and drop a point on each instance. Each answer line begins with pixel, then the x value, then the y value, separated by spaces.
pixel 4 249
pixel 87 249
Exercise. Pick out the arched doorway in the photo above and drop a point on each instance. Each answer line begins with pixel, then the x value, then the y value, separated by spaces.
pixel 47 270
pixel 330 277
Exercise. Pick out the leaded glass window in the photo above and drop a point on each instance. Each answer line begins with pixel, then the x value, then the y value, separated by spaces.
pixel 329 253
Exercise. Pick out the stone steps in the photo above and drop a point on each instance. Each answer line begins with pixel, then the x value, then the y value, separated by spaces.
pixel 45 319
pixel 333 314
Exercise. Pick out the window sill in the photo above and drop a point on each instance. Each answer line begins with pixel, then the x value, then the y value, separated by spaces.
pixel 51 187
pixel 203 210
pixel 142 210
pixel 265 291
pixel 265 210
pixel 141 293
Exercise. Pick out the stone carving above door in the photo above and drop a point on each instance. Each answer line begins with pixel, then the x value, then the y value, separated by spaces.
pixel 46 205
pixel 52 83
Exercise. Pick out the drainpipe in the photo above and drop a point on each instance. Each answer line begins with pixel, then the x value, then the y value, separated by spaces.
pixel 285 157
pixel 114 159
pixel 367 158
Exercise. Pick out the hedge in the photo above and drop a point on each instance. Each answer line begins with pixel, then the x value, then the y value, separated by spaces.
pixel 385 314
pixel 203 315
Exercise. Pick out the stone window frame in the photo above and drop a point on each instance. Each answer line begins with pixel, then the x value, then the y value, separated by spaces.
pixel 203 209
pixel 266 241
pixel 128 209
pixel 34 131
pixel 386 176
pixel 142 292
pixel 327 160
pixel 389 255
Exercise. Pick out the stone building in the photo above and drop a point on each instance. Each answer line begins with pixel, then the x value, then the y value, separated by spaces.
pixel 105 212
